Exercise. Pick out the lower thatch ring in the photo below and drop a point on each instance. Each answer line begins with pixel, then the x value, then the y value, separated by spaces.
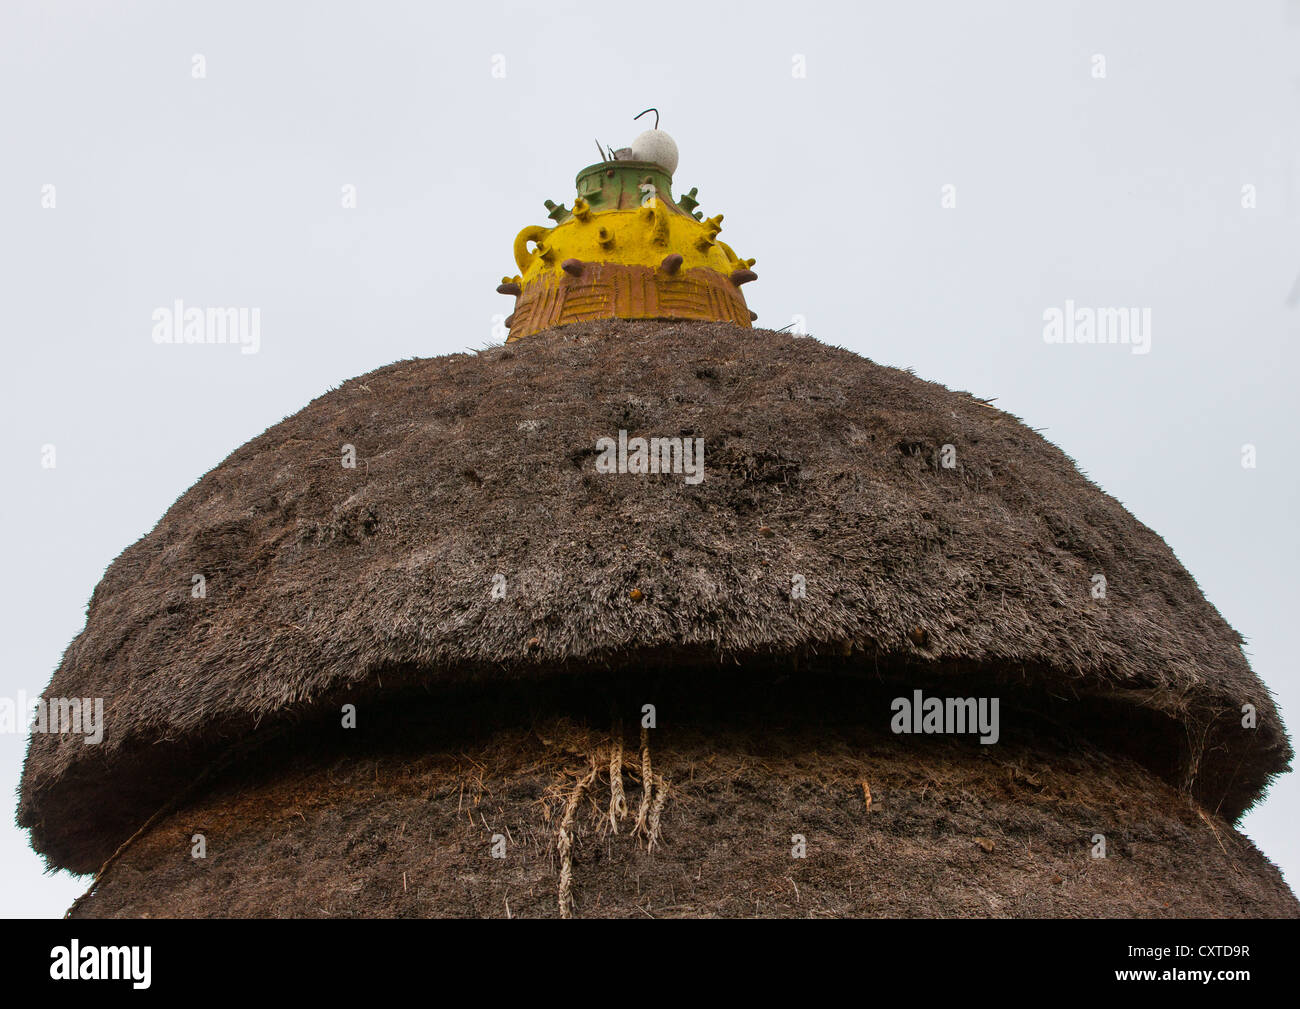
pixel 946 830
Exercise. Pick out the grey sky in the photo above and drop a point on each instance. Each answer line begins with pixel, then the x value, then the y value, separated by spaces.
pixel 1122 191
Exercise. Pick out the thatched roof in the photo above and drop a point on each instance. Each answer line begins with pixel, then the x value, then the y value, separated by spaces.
pixel 951 830
pixel 325 582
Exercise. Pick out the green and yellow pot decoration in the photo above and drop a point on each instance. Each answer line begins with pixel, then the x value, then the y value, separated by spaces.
pixel 626 250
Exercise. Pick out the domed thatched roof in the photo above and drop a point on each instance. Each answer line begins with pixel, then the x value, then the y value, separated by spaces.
pixel 325 582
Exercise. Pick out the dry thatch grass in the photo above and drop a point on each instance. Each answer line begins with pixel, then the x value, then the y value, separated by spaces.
pixel 326 583
pixel 952 831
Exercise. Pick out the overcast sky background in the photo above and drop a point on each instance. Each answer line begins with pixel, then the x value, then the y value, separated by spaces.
pixel 1124 191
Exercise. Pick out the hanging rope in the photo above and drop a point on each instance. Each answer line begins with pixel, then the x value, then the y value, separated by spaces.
pixel 647 783
pixel 617 798
pixel 564 841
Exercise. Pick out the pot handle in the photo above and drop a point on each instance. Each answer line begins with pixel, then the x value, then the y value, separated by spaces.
pixel 534 233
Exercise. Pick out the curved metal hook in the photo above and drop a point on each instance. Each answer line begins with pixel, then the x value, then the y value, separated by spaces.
pixel 655 111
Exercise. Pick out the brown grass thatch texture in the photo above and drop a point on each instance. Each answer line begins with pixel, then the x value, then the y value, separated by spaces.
pixel 949 832
pixel 326 582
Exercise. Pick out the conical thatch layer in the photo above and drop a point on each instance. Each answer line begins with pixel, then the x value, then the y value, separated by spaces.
pixel 763 817
pixel 324 581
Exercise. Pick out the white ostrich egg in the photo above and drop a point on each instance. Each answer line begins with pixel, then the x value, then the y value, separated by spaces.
pixel 658 148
